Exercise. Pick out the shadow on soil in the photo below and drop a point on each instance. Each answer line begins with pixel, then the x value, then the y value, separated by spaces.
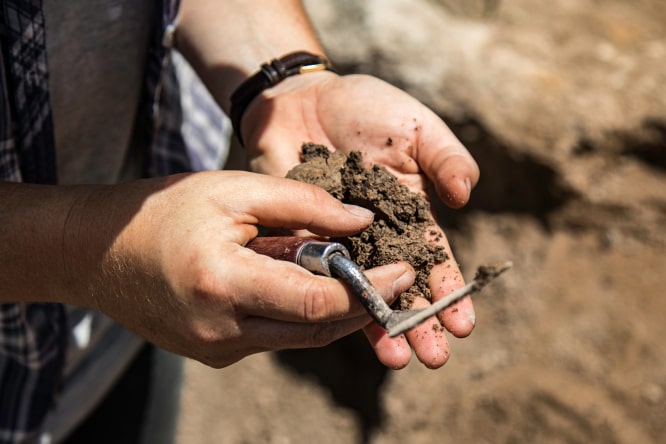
pixel 511 182
pixel 350 371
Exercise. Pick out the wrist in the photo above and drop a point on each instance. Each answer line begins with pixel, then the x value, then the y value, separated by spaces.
pixel 226 41
pixel 269 75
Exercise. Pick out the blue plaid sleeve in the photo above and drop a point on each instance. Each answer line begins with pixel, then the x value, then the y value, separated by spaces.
pixel 32 336
pixel 32 353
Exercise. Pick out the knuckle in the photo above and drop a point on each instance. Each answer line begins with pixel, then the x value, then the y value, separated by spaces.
pixel 203 291
pixel 317 196
pixel 318 304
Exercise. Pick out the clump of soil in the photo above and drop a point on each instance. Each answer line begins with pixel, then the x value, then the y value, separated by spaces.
pixel 401 216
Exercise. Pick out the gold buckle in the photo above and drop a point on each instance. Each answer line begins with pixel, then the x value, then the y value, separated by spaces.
pixel 312 68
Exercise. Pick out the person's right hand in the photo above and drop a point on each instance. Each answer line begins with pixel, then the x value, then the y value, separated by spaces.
pixel 165 258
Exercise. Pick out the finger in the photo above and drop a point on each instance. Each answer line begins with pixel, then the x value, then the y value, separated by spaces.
pixel 444 278
pixel 285 203
pixel 300 296
pixel 275 334
pixel 394 353
pixel 269 334
pixel 446 161
pixel 428 339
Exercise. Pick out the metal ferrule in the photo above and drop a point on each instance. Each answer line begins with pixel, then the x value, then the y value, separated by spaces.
pixel 315 255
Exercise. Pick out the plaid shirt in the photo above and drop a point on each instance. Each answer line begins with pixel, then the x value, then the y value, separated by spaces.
pixel 33 337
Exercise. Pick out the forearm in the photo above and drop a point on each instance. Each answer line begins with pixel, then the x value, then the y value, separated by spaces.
pixel 227 40
pixel 57 242
pixel 33 220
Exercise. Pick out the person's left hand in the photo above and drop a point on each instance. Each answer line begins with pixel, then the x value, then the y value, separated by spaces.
pixel 390 128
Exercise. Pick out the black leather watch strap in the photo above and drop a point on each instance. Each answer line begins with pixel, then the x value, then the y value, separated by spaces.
pixel 270 75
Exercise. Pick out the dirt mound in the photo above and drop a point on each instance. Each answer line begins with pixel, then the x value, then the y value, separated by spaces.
pixel 401 216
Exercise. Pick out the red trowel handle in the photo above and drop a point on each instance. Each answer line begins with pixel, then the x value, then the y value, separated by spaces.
pixel 311 254
pixel 284 248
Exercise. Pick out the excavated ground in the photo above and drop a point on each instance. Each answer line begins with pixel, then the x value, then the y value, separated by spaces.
pixel 564 107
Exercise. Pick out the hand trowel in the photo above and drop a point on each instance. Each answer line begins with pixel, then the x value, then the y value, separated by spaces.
pixel 333 259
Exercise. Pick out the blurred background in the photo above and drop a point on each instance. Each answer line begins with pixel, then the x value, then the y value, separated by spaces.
pixel 563 104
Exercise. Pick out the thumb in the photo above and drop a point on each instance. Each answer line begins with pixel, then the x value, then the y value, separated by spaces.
pixel 446 162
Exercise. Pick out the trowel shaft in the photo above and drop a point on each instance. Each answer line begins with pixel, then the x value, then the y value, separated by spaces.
pixel 329 259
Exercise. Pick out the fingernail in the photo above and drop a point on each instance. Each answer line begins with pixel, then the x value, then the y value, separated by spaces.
pixel 471 317
pixel 404 281
pixel 359 211
pixel 468 185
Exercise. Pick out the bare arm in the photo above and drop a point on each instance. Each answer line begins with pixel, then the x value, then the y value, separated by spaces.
pixel 226 41
pixel 33 220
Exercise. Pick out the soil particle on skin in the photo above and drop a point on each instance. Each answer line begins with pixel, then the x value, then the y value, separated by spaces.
pixel 402 218
pixel 486 273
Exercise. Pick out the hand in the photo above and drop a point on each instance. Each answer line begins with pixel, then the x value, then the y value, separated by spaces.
pixel 390 128
pixel 165 257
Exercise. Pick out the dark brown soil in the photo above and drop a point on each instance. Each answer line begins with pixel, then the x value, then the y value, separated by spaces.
pixel 401 216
